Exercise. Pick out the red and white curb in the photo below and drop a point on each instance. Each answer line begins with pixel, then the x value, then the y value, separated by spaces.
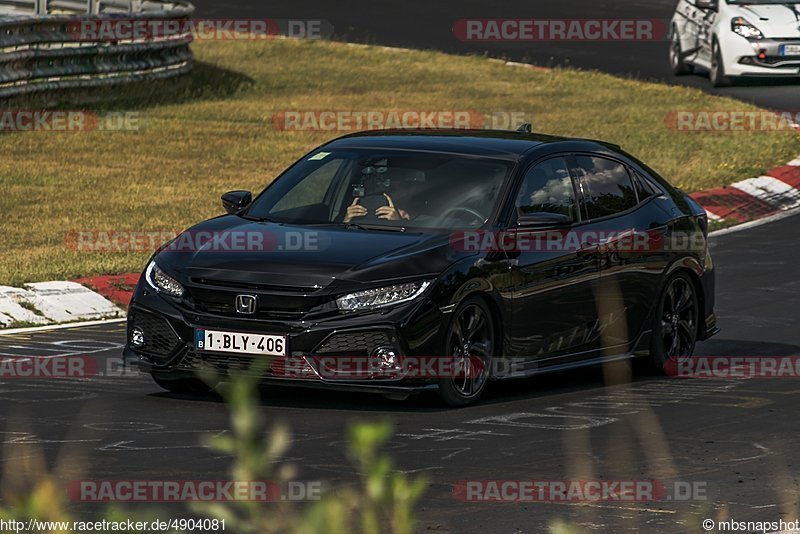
pixel 754 198
pixel 53 302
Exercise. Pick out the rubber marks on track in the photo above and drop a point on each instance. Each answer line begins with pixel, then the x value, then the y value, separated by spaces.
pixel 754 198
pixel 117 288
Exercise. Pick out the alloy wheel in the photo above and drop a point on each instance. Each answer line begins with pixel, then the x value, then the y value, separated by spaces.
pixel 471 342
pixel 679 319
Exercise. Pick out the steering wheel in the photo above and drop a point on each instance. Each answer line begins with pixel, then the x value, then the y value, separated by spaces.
pixel 444 216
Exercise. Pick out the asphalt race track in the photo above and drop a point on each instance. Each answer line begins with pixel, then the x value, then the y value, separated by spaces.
pixel 736 437
pixel 425 24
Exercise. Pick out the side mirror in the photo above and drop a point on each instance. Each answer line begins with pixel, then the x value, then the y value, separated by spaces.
pixel 706 4
pixel 235 201
pixel 544 221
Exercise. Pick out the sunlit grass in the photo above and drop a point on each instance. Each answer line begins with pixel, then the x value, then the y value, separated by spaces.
pixel 212 132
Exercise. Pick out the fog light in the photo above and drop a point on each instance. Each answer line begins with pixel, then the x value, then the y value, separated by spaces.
pixel 137 338
pixel 385 358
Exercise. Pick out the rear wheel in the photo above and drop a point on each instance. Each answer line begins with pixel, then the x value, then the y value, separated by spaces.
pixel 675 322
pixel 190 386
pixel 676 61
pixel 470 340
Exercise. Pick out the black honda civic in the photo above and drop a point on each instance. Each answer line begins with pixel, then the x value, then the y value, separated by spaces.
pixel 397 262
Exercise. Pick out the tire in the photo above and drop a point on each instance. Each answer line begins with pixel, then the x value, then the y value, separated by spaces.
pixel 183 386
pixel 471 336
pixel 677 64
pixel 717 73
pixel 675 323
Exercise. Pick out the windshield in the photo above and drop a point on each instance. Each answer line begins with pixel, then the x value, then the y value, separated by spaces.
pixel 391 189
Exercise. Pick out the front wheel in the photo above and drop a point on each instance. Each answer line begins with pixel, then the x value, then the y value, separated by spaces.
pixel 676 60
pixel 675 322
pixel 470 341
pixel 183 386
pixel 717 74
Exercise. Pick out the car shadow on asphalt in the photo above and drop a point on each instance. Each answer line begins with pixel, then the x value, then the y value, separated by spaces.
pixel 755 81
pixel 532 389
pixel 543 386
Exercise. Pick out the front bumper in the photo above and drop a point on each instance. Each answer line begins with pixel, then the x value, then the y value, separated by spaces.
pixel 760 58
pixel 169 351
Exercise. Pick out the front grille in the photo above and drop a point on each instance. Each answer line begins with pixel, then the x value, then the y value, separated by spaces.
pixel 775 60
pixel 225 364
pixel 220 362
pixel 354 343
pixel 229 310
pixel 160 339
pixel 278 305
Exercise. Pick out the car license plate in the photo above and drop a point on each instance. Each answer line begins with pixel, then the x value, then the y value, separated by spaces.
pixel 240 343
pixel 790 50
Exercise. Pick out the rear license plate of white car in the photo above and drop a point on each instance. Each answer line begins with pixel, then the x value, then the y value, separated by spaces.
pixel 240 343
pixel 790 50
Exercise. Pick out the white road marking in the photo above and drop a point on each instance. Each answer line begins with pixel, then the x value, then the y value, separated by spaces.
pixel 441 434
pixel 545 421
pixel 65 326
pixel 770 190
pixel 131 425
pixel 124 446
pixel 27 438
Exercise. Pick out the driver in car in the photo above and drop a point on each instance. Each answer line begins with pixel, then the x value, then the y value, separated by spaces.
pixel 389 212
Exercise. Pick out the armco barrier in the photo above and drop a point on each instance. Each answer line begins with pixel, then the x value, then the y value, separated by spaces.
pixel 42 47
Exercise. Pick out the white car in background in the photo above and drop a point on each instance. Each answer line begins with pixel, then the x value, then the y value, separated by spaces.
pixel 734 38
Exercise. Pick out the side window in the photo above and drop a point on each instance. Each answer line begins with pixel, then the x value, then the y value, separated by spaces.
pixel 311 190
pixel 547 187
pixel 607 187
pixel 644 188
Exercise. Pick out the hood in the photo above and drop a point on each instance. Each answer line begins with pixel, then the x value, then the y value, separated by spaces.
pixel 774 20
pixel 233 250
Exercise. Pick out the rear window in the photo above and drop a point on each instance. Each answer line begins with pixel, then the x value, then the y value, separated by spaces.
pixel 644 188
pixel 606 185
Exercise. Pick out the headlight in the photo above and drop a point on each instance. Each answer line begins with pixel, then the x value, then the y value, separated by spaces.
pixel 745 29
pixel 384 296
pixel 161 281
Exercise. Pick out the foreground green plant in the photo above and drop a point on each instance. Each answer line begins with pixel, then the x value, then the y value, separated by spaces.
pixel 383 500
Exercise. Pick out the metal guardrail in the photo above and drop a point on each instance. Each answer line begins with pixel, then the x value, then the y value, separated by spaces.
pixel 42 47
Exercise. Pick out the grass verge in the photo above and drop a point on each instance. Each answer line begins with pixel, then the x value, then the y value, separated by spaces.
pixel 212 131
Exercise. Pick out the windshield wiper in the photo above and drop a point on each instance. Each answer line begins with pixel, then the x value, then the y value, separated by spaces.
pixel 255 219
pixel 357 226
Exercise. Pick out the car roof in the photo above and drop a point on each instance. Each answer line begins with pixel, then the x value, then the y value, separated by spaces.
pixel 490 143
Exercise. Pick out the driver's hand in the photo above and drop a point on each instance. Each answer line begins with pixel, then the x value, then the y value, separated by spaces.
pixel 354 210
pixel 390 212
